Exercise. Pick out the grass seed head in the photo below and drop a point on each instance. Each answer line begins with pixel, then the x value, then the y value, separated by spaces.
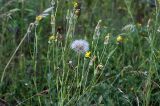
pixel 106 39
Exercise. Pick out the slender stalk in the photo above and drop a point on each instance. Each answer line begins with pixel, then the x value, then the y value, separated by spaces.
pixel 17 48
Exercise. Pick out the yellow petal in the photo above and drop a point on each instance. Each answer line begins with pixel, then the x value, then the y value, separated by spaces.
pixel 88 54
pixel 119 38
pixel 38 18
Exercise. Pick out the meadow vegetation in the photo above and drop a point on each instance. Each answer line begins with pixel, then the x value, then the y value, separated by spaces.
pixel 79 53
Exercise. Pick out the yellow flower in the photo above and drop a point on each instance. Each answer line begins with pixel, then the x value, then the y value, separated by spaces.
pixel 75 4
pixel 88 54
pixel 120 39
pixel 52 38
pixel 39 18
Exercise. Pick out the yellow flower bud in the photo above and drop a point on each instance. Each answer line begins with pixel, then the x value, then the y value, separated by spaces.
pixel 39 18
pixel 120 39
pixel 52 38
pixel 75 4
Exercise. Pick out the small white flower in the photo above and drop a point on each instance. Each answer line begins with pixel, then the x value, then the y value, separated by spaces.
pixel 26 84
pixel 80 46
pixel 70 62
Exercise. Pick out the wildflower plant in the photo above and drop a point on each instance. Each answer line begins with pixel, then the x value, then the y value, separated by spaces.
pixel 79 63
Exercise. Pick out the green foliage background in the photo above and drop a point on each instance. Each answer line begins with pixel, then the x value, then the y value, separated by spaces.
pixel 129 77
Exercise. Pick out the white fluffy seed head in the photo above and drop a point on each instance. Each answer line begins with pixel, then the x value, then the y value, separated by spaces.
pixel 80 46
